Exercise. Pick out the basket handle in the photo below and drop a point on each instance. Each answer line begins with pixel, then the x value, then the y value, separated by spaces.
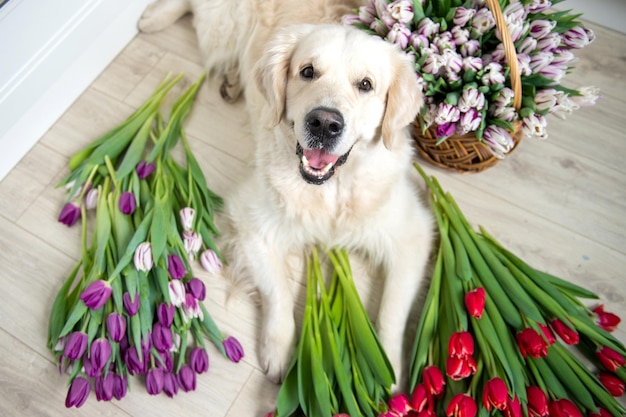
pixel 509 51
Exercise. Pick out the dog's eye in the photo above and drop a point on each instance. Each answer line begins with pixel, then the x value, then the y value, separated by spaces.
pixel 307 72
pixel 365 85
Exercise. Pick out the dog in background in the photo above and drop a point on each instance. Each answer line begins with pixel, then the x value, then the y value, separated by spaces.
pixel 329 107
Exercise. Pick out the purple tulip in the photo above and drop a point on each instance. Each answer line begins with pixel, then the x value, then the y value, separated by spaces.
pixel 445 130
pixel 175 266
pixel 78 392
pixel 100 353
pixel 120 386
pixel 170 385
pixel 154 381
pixel 134 364
pixel 196 288
pixel 199 360
pixel 90 370
pixel 233 349
pixel 75 345
pixel 161 337
pixel 186 378
pixel 96 294
pixel 127 203
pixel 70 213
pixel 166 363
pixel 116 326
pixel 103 386
pixel 131 307
pixel 165 314
pixel 144 169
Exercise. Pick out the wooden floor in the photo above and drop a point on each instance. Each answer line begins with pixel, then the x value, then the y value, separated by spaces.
pixel 559 203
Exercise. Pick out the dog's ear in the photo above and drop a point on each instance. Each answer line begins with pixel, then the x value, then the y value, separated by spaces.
pixel 404 99
pixel 272 69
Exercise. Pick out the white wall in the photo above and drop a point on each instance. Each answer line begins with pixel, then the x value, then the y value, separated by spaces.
pixel 50 52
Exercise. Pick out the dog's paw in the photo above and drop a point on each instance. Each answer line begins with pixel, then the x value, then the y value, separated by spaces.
pixel 161 14
pixel 230 90
pixel 276 350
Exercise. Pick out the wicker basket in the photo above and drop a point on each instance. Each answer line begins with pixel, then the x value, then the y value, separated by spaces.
pixel 466 153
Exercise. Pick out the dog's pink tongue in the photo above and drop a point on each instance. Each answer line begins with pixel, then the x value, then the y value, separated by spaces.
pixel 318 158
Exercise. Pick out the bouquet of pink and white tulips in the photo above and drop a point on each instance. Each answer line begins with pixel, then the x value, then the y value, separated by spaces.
pixel 462 66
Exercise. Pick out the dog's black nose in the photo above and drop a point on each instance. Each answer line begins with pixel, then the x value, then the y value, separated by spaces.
pixel 324 124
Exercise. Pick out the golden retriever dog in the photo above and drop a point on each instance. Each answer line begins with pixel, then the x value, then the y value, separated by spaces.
pixel 329 107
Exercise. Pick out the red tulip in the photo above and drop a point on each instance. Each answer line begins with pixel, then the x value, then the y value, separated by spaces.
pixel 461 345
pixel 613 384
pixel 434 381
pixel 495 394
pixel 532 344
pixel 567 334
pixel 537 402
pixel 513 408
pixel 458 368
pixel 420 398
pixel 462 405
pixel 399 404
pixel 601 413
pixel 475 302
pixel 548 334
pixel 606 320
pixel 564 408
pixel 609 358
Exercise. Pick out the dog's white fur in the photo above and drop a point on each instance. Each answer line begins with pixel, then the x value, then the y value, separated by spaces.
pixel 369 205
